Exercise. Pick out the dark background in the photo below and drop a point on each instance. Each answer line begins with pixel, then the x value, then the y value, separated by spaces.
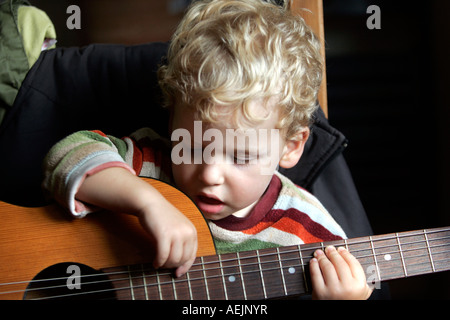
pixel 387 92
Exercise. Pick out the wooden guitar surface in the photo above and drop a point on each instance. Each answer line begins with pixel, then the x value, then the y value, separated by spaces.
pixel 32 239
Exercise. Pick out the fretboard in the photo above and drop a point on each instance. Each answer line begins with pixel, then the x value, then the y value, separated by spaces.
pixel 278 272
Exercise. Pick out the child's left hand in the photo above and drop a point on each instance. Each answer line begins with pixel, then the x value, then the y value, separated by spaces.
pixel 336 274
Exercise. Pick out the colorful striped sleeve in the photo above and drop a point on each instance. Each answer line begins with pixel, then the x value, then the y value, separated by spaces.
pixel 69 162
pixel 84 153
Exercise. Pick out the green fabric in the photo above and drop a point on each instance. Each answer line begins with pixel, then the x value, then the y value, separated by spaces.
pixel 13 59
pixel 34 26
pixel 252 244
pixel 23 29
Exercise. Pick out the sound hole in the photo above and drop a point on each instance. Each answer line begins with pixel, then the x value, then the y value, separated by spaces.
pixel 70 281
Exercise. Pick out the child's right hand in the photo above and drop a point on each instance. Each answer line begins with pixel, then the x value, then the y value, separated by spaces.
pixel 174 235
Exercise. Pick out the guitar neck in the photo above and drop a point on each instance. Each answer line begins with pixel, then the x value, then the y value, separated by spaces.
pixel 121 241
pixel 278 272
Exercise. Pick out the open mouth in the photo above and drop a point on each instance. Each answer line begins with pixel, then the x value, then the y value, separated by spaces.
pixel 209 200
pixel 209 204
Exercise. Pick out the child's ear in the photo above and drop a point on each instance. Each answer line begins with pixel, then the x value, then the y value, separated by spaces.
pixel 293 149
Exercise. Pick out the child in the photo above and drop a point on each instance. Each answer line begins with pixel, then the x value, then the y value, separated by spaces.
pixel 241 83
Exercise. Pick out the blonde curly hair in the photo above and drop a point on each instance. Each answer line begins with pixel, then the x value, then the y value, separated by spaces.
pixel 232 52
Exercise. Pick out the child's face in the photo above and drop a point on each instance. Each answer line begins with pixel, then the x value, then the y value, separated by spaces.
pixel 225 177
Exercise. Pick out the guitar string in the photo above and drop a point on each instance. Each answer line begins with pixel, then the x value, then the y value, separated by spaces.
pixel 312 248
pixel 235 266
pixel 294 251
pixel 171 283
pixel 283 252
pixel 214 276
pixel 244 265
pixel 270 254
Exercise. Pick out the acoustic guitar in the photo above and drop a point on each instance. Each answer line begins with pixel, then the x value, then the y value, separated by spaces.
pixel 46 255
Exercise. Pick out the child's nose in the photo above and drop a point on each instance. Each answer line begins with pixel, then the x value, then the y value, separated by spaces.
pixel 211 174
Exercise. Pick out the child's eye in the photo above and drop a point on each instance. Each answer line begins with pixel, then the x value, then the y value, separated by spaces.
pixel 242 161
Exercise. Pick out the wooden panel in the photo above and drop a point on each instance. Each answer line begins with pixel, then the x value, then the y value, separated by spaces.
pixel 312 12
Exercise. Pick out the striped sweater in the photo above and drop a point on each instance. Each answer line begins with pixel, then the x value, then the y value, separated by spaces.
pixel 285 215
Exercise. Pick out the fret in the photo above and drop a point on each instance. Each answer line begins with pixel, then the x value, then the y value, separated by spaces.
pixel 401 255
pixel 272 273
pixel 374 282
pixel 281 268
pixel 180 286
pixel 223 278
pixel 415 253
pixel 144 282
pixel 206 280
pixel 251 275
pixel 183 286
pixel 131 284
pixel 166 285
pixel 429 250
pixel 159 285
pixel 152 283
pixel 302 263
pixel 232 273
pixel 242 278
pixel 275 272
pixel 196 285
pixel 262 275
pixel 188 278
pixel 292 271
pixel 440 248
pixel 388 257
pixel 361 248
pixel 174 288
pixel 119 279
pixel 136 282
pixel 190 286
pixel 214 276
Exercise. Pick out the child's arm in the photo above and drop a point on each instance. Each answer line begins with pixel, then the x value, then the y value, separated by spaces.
pixel 88 169
pixel 119 190
pixel 336 274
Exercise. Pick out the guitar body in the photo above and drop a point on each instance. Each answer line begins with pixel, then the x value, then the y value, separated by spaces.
pixel 42 248
pixel 32 239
